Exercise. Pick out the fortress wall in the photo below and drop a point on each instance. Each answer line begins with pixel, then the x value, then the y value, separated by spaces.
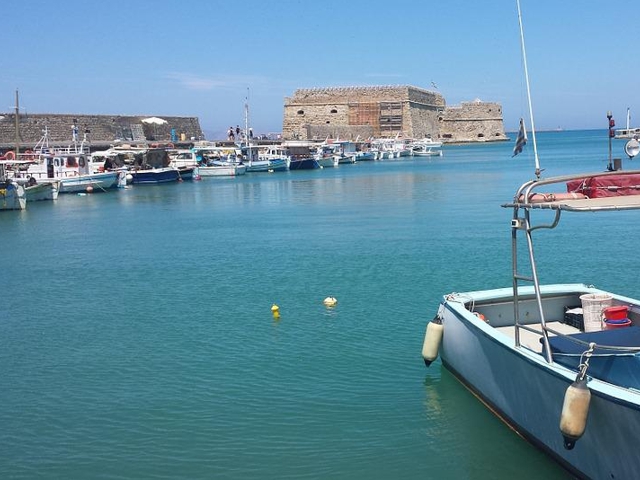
pixel 102 129
pixel 360 111
pixel 472 122
pixel 386 111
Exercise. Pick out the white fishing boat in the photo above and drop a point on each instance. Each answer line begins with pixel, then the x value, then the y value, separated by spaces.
pixel 70 167
pixel 628 132
pixel 35 191
pixel 426 147
pixel 222 170
pixel 560 363
pixel 72 171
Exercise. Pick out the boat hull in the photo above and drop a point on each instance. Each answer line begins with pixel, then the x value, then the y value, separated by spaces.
pixel 42 191
pixel 80 183
pixel 12 197
pixel 279 165
pixel 327 162
pixel 527 393
pixel 222 170
pixel 304 164
pixel 154 176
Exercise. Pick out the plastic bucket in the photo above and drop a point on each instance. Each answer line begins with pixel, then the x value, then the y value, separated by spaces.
pixel 611 324
pixel 593 304
pixel 618 312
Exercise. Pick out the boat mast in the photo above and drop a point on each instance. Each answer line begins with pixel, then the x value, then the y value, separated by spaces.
pixel 526 77
pixel 17 139
pixel 628 119
pixel 246 127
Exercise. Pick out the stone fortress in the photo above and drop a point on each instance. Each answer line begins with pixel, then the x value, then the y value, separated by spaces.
pixel 388 111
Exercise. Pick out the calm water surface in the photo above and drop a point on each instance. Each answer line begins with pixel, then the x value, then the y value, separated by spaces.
pixel 137 341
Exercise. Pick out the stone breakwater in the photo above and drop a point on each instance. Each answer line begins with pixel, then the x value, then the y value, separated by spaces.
pixel 99 129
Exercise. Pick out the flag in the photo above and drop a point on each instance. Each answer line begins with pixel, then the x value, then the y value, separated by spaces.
pixel 521 141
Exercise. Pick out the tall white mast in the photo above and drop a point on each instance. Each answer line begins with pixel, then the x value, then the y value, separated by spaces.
pixel 526 77
pixel 246 127
pixel 628 118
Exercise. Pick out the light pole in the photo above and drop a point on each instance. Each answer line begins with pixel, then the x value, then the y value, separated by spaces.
pixel 612 133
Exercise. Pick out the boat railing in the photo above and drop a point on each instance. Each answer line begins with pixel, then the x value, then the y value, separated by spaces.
pixel 528 198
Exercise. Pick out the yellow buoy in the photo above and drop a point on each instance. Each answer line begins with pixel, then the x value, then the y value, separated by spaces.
pixel 330 301
pixel 432 340
pixel 275 310
pixel 575 410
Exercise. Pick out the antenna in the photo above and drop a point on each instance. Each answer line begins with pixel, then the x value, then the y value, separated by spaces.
pixel 526 77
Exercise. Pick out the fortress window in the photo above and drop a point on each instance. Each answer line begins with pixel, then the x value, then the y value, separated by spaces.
pixel 481 135
pixel 333 110
pixel 300 112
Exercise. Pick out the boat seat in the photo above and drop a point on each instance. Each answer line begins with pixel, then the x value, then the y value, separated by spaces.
pixel 613 366
pixel 532 340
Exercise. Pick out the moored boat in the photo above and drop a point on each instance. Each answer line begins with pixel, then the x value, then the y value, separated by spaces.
pixel 425 147
pixel 12 194
pixel 151 176
pixel 36 192
pixel 222 170
pixel 559 363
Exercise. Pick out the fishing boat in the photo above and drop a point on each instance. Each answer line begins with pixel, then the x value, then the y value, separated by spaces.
pixel 559 363
pixel 425 147
pixel 12 194
pixel 70 167
pixel 45 190
pixel 72 171
pixel 222 170
pixel 154 176
pixel 628 132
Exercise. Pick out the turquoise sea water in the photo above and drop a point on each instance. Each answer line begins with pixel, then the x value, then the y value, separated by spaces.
pixel 137 340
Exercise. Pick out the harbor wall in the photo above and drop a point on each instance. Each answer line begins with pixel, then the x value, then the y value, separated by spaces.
pixel 99 129
pixel 475 121
pixel 387 111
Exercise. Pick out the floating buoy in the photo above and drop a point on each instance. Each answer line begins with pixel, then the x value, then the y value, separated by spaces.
pixel 432 340
pixel 275 310
pixel 575 410
pixel 480 316
pixel 89 189
pixel 129 178
pixel 330 302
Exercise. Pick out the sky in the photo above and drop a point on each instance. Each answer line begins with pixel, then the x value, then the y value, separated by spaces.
pixel 204 58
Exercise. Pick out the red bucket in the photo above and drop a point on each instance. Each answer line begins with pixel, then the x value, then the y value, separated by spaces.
pixel 616 313
pixel 611 324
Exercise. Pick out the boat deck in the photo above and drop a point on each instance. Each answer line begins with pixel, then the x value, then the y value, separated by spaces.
pixel 532 340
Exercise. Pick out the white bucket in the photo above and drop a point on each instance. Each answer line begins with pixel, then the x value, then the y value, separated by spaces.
pixel 593 305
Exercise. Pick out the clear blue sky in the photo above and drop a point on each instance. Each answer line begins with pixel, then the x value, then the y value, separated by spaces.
pixel 199 57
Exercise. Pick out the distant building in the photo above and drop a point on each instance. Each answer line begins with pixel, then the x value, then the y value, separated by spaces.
pixel 387 111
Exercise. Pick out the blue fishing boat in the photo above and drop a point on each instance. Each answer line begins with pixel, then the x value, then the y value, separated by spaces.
pixel 551 360
pixel 154 175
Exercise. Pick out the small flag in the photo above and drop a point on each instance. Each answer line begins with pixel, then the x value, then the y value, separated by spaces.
pixel 521 141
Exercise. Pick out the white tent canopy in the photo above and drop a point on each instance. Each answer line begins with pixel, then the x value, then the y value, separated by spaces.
pixel 154 120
